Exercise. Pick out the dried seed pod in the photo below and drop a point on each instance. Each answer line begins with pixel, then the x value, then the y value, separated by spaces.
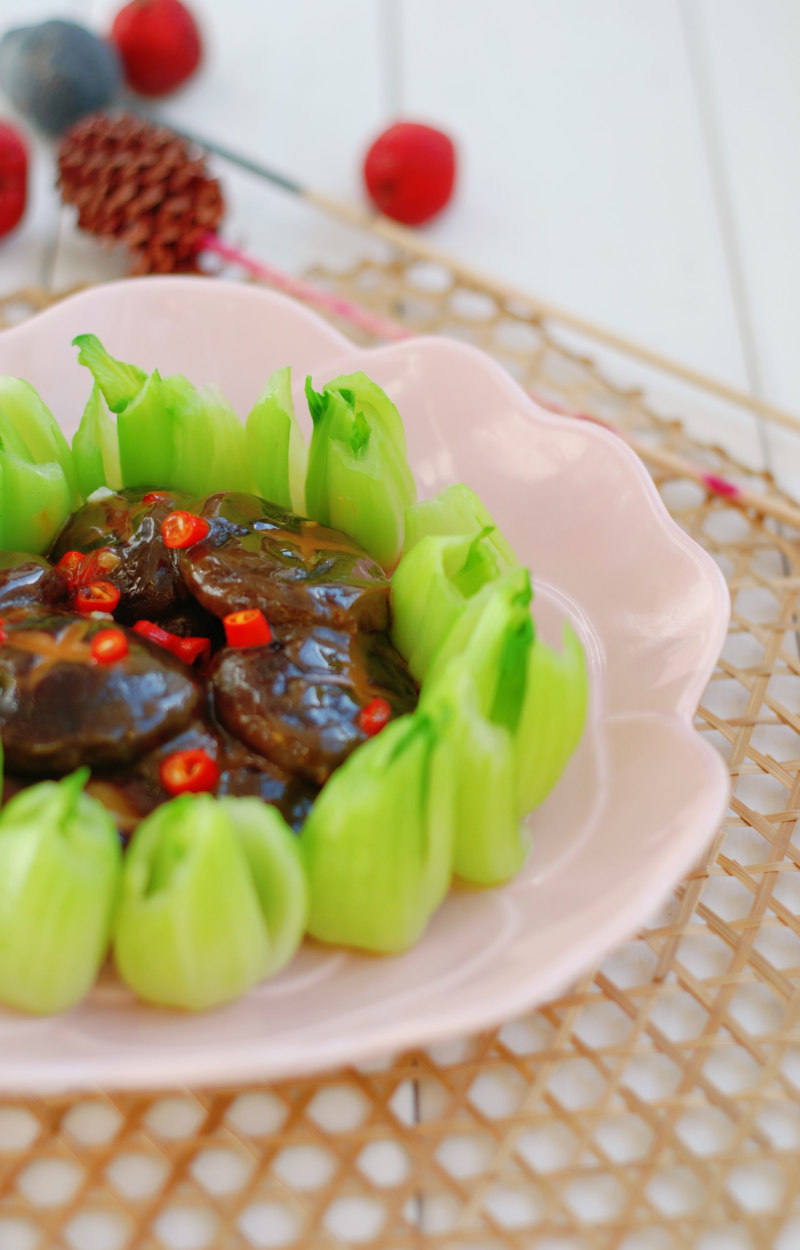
pixel 140 185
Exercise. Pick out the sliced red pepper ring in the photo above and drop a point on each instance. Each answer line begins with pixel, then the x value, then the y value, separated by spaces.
pixel 373 716
pixel 95 563
pixel 70 564
pixel 3 634
pixel 248 628
pixel 188 772
pixel 100 596
pixel 149 629
pixel 191 649
pixel 183 529
pixel 186 649
pixel 157 496
pixel 108 646
pixel 80 567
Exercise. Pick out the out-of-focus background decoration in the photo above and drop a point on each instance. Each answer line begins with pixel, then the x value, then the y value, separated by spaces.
pixel 635 166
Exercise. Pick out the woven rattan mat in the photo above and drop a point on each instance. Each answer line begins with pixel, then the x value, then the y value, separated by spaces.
pixel 655 1106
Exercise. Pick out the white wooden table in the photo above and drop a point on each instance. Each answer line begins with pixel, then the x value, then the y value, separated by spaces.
pixel 636 162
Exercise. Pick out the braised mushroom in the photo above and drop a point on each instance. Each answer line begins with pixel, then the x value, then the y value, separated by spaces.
pixel 298 700
pixel 31 582
pixel 59 708
pixel 126 527
pixel 256 555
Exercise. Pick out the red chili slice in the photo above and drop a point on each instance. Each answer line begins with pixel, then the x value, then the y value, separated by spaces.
pixel 80 567
pixel 95 564
pixel 70 564
pixel 3 634
pixel 186 649
pixel 373 717
pixel 149 629
pixel 188 772
pixel 98 596
pixel 248 628
pixel 108 646
pixel 156 496
pixel 191 649
pixel 183 529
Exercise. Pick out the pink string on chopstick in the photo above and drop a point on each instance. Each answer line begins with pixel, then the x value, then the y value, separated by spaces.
pixel 721 486
pixel 383 328
pixel 713 483
pixel 372 323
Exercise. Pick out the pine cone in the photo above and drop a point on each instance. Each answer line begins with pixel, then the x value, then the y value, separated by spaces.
pixel 141 185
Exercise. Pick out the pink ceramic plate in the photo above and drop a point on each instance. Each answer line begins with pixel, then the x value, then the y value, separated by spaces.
pixel 638 802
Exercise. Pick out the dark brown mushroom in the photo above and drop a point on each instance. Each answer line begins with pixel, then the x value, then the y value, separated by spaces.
pixel 256 555
pixel 297 701
pixel 135 791
pixel 283 716
pixel 28 581
pixel 145 571
pixel 59 709
pixel 292 796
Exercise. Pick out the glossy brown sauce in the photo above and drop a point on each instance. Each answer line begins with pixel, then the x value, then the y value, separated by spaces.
pixel 277 719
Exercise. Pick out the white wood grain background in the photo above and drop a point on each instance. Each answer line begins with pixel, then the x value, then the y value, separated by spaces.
pixel 636 162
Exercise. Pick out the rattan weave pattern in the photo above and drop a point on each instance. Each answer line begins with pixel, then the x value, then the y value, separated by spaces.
pixel 655 1106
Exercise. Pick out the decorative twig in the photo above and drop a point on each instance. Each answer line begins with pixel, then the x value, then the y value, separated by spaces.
pixel 679 466
pixel 418 245
pixel 379 327
pixel 393 331
pixel 108 163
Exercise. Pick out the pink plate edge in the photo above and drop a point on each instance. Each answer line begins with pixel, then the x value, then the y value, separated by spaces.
pixel 206 1067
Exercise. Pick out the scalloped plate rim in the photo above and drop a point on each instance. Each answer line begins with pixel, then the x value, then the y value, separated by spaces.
pixel 253 1060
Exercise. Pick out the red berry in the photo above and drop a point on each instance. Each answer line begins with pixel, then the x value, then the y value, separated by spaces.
pixel 409 172
pixel 159 43
pixel 13 178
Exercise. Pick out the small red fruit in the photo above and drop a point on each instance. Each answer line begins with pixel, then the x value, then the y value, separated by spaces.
pixel 13 178
pixel 159 44
pixel 410 171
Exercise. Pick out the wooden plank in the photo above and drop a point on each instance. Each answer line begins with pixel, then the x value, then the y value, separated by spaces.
pixel 297 87
pixel 27 255
pixel 752 52
pixel 584 173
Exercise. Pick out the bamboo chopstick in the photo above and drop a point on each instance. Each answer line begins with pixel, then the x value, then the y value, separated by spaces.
pixel 415 243
pixel 679 466
pixel 385 328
